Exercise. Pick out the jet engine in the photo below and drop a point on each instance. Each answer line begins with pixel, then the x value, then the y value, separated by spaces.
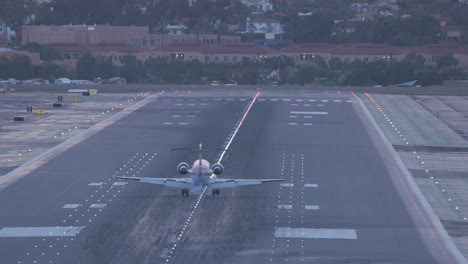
pixel 217 168
pixel 183 168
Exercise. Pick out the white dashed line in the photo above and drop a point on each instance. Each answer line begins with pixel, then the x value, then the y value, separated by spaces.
pixel 96 184
pixel 316 233
pixel 312 207
pixel 308 113
pixel 97 206
pixel 71 206
pixel 285 206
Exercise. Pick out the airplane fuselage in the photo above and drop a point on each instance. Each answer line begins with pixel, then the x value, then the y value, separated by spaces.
pixel 200 173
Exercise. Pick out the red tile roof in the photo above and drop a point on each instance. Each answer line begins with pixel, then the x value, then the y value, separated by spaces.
pixel 222 48
pixel 76 47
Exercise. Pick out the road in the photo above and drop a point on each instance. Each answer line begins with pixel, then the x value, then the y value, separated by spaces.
pixel 338 204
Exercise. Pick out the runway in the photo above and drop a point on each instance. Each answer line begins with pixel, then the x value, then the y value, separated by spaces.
pixel 338 203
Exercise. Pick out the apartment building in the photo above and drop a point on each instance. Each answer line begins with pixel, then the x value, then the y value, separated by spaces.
pixel 82 34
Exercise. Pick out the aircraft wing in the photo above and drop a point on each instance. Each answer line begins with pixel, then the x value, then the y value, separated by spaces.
pixel 170 182
pixel 229 183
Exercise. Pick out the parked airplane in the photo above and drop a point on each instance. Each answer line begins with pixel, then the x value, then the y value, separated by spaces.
pixel 201 175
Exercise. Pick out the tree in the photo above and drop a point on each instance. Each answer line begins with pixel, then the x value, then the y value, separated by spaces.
pixel 46 53
pixel 417 30
pixel 20 67
pixel 446 61
pixel 89 67
pixel 132 69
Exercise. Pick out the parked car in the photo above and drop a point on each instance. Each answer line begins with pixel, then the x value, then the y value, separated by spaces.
pixel 215 83
pixel 231 83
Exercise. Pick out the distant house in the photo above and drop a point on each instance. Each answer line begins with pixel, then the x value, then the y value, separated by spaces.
pixel 452 33
pixel 6 34
pixel 177 29
pixel 264 26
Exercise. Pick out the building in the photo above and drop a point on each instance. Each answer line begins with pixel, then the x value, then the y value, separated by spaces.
pixel 241 52
pixel 451 33
pixel 9 53
pixel 227 53
pixel 264 26
pixel 164 39
pixel 7 35
pixel 177 29
pixel 97 35
pixel 81 34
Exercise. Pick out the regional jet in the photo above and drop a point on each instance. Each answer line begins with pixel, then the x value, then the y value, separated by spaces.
pixel 201 175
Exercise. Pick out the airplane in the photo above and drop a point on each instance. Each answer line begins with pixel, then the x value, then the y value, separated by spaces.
pixel 201 175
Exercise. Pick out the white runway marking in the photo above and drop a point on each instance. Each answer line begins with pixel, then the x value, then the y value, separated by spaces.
pixel 307 105
pixel 261 100
pixel 167 123
pixel 316 233
pixel 320 105
pixel 230 99
pixel 96 184
pixel 53 231
pixel 337 101
pixel 293 116
pixel 274 100
pixel 292 124
pixel 312 207
pixel 307 113
pixel 242 99
pixel 204 104
pixel 190 104
pixel 183 124
pixel 191 116
pixel 311 185
pixel 176 116
pixel 307 124
pixel 285 206
pixel 307 116
pixel 97 206
pixel 349 101
pixel 122 183
pixel 324 101
pixel 71 206
pixel 286 100
pixel 294 104
pixel 299 100
pixel 179 104
pixel 311 100
pixel 287 184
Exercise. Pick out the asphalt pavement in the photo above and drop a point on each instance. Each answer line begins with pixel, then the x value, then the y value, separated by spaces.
pixel 338 203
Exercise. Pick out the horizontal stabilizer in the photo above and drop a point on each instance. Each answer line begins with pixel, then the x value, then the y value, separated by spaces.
pixel 229 183
pixel 170 182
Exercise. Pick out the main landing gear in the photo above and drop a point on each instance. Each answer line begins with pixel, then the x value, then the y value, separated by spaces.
pixel 185 192
pixel 215 192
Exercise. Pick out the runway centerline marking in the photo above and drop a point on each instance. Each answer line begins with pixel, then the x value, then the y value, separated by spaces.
pixel 52 231
pixel 200 197
pixel 308 113
pixel 311 185
pixel 285 206
pixel 315 233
